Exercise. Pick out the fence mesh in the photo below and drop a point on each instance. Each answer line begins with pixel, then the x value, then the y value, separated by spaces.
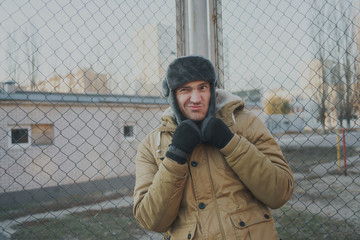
pixel 81 87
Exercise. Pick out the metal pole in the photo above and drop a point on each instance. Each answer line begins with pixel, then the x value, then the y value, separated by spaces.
pixel 181 35
pixel 212 31
pixel 338 150
pixel 199 31
pixel 344 150
pixel 216 39
pixel 197 28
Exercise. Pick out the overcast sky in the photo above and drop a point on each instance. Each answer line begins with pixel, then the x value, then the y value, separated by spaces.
pixel 75 34
pixel 267 41
pixel 270 41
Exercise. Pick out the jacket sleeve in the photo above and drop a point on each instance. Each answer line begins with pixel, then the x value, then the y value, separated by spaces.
pixel 257 159
pixel 158 189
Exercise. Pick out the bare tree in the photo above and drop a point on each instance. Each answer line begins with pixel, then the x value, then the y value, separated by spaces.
pixel 349 65
pixel 334 48
pixel 319 35
pixel 32 53
pixel 346 56
pixel 12 52
pixel 336 72
pixel 356 86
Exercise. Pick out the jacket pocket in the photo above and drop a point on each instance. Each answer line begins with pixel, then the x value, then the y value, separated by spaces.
pixel 254 224
pixel 182 232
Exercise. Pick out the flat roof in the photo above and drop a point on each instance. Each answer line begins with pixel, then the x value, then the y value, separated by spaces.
pixel 79 98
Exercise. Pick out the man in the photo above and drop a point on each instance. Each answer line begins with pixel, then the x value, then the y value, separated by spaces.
pixel 211 170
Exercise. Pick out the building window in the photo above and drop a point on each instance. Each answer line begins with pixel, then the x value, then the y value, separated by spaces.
pixel 41 134
pixel 19 135
pixel 129 131
pixel 34 134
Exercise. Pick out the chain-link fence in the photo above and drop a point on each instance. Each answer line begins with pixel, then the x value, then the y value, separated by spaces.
pixel 297 61
pixel 81 84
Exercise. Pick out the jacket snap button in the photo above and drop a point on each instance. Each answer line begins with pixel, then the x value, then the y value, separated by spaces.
pixel 202 205
pixel 189 236
pixel 266 216
pixel 194 164
pixel 242 224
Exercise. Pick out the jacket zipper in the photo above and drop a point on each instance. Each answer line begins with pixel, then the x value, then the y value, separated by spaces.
pixel 214 198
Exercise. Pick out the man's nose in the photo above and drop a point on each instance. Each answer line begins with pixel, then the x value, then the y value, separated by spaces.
pixel 195 96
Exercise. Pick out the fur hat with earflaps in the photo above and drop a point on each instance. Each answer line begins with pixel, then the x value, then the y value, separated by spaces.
pixel 188 69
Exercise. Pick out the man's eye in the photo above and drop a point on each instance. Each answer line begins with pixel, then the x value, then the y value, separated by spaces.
pixel 183 90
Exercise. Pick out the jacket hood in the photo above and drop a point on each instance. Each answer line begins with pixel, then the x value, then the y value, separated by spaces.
pixel 226 104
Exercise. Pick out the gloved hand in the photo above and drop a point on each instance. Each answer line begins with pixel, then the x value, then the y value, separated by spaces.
pixel 186 136
pixel 215 132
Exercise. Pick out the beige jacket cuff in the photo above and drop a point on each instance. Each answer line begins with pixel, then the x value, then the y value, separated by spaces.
pixel 229 148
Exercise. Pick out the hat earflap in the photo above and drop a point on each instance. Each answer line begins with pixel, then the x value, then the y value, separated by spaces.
pixel 165 88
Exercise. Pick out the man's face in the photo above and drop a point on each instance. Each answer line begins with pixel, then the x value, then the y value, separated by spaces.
pixel 193 99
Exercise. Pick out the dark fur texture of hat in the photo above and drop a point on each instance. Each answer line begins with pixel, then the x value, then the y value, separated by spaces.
pixel 188 69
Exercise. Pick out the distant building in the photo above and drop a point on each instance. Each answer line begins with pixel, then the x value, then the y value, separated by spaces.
pixel 303 104
pixel 154 48
pixel 284 123
pixel 85 80
pixel 276 123
pixel 307 110
pixel 52 139
pixel 253 96
pixel 253 102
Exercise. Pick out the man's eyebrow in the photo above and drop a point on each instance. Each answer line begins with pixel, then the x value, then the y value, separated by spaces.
pixel 204 84
pixel 200 85
pixel 184 87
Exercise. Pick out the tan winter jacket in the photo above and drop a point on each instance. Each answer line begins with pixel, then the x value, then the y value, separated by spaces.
pixel 218 194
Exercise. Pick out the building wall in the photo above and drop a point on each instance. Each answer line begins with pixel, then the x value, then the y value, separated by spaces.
pixel 88 142
pixel 281 123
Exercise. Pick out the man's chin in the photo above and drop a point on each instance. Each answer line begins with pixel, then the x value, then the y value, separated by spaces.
pixel 197 118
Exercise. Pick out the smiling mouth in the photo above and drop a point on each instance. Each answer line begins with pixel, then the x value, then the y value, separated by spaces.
pixel 195 107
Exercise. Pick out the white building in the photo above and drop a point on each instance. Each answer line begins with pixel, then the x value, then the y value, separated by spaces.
pixel 53 139
pixel 285 123
pixel 154 49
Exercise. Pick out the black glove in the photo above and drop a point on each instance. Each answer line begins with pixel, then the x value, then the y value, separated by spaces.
pixel 215 132
pixel 186 136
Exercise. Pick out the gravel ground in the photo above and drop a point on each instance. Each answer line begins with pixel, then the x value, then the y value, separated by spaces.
pixel 323 190
pixel 7 225
pixel 326 191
